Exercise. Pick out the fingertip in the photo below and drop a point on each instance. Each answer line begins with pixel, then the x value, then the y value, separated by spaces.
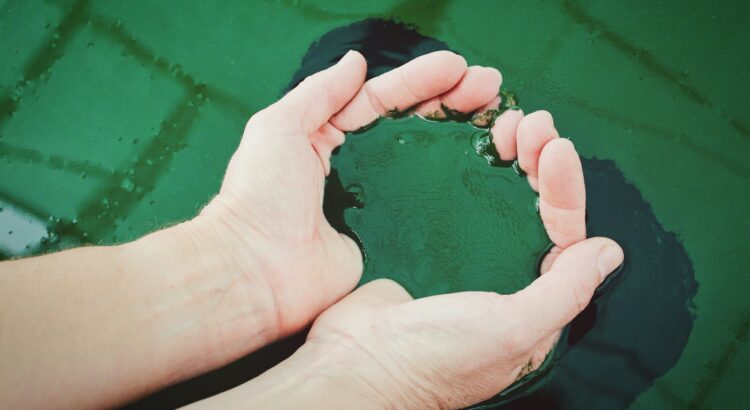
pixel 609 258
pixel 455 62
pixel 478 86
pixel 355 61
pixel 534 132
pixel 432 74
pixel 504 133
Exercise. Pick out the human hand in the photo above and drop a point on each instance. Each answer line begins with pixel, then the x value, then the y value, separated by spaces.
pixel 268 220
pixel 378 346
pixel 454 350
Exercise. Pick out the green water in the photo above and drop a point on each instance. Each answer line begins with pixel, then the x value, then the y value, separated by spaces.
pixel 121 117
pixel 433 214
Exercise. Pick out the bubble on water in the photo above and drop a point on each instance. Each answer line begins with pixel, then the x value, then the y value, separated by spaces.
pixel 358 194
pixel 74 221
pixel 401 140
pixel 127 184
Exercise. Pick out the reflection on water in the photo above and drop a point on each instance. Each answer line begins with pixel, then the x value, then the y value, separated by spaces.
pixel 23 233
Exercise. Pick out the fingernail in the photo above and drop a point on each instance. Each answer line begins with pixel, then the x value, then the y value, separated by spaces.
pixel 609 259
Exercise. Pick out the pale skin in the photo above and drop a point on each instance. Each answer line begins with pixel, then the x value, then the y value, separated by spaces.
pixel 101 326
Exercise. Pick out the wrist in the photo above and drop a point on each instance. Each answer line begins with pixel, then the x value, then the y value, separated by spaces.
pixel 317 375
pixel 204 312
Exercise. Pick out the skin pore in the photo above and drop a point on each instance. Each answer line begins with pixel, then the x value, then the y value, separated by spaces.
pixel 100 326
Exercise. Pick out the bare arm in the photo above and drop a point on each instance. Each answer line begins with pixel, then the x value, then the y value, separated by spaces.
pixel 96 326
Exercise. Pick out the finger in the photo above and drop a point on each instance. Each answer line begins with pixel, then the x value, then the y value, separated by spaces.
pixel 478 87
pixel 504 133
pixel 324 141
pixel 558 296
pixel 418 80
pixel 549 259
pixel 562 194
pixel 534 132
pixel 312 103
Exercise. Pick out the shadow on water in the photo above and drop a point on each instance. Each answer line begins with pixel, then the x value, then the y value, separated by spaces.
pixel 630 335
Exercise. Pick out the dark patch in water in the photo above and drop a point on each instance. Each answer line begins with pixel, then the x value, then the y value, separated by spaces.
pixel 612 352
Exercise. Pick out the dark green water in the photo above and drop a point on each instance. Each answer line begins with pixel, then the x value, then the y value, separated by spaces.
pixel 117 118
pixel 433 215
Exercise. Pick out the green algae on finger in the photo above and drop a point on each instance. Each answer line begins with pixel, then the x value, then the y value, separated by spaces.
pixel 508 100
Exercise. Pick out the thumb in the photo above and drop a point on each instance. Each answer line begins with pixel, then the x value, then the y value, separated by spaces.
pixel 558 296
pixel 316 99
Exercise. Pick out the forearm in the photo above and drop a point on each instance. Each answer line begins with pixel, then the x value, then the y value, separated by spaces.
pixel 98 326
pixel 315 376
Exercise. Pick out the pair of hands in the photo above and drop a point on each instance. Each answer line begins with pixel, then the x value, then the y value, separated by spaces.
pixel 443 351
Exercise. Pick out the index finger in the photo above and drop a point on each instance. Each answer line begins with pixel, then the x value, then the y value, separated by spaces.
pixel 418 80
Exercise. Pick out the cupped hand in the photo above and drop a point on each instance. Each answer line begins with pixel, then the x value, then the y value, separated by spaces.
pixel 450 351
pixel 268 217
pixel 377 344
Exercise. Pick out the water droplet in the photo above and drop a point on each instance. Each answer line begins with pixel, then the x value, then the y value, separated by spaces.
pixel 357 194
pixel 128 185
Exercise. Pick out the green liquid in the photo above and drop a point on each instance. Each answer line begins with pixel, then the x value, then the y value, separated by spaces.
pixel 435 216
